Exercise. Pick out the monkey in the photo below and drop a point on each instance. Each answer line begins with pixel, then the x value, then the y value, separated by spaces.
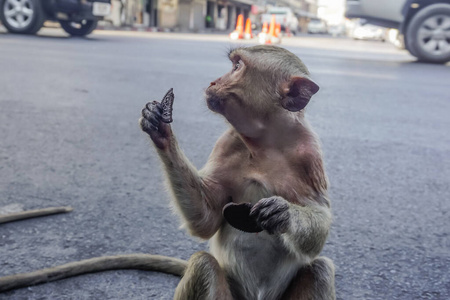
pixel 261 198
pixel 269 161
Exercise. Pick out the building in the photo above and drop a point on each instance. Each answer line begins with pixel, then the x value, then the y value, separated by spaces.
pixel 198 15
pixel 195 15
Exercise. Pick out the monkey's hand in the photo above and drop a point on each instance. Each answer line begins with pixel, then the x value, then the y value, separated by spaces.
pixel 153 124
pixel 272 214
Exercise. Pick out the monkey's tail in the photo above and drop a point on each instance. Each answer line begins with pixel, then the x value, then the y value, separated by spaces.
pixel 145 262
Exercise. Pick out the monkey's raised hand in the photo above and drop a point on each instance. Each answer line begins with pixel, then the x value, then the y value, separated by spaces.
pixel 156 118
pixel 272 214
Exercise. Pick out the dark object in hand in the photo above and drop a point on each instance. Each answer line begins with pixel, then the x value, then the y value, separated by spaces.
pixel 238 216
pixel 167 106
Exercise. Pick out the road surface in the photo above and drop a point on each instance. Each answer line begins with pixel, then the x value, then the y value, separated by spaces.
pixel 69 136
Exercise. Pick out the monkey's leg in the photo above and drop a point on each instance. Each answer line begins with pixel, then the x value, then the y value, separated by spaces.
pixel 203 279
pixel 313 282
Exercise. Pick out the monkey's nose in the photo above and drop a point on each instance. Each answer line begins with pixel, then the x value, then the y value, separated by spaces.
pixel 212 83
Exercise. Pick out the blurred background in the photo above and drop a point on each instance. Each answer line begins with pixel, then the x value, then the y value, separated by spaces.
pixel 75 74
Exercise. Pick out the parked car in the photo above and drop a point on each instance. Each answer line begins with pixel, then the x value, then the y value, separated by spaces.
pixel 77 17
pixel 337 30
pixel 424 24
pixel 317 26
pixel 369 32
pixel 284 16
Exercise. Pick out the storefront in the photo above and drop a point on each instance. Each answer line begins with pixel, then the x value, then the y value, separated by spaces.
pixel 181 15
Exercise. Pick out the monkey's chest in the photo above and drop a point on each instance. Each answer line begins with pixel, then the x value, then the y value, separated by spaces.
pixel 255 182
pixel 258 264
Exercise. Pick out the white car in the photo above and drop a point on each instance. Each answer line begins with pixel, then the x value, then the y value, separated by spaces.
pixel 317 26
pixel 369 32
pixel 337 30
pixel 424 24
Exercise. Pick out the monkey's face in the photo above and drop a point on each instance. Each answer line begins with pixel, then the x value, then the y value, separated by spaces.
pixel 224 94
pixel 263 80
pixel 241 95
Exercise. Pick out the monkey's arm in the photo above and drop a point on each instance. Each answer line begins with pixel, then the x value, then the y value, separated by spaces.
pixel 198 196
pixel 303 229
pixel 310 222
pixel 308 229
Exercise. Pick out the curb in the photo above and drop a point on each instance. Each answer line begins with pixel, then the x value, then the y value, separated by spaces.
pixel 133 28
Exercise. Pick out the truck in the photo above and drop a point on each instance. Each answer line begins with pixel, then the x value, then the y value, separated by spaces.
pixel 284 16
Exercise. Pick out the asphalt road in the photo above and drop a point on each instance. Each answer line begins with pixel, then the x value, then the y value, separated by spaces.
pixel 69 136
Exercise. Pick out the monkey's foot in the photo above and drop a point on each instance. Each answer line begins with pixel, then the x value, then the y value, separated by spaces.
pixel 238 216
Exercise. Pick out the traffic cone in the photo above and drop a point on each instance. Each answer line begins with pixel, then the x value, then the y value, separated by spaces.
pixel 265 28
pixel 239 32
pixel 277 30
pixel 262 36
pixel 248 29
pixel 240 26
pixel 271 34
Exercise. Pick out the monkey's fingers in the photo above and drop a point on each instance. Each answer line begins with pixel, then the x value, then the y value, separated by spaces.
pixel 34 213
pixel 154 107
pixel 151 116
pixel 238 216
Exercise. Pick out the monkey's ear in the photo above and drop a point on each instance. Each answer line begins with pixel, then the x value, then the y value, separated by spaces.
pixel 298 93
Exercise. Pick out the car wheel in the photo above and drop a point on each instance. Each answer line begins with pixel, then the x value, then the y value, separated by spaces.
pixel 428 34
pixel 81 28
pixel 409 47
pixel 22 16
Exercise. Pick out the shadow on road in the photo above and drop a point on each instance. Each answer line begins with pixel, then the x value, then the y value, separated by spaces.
pixel 51 34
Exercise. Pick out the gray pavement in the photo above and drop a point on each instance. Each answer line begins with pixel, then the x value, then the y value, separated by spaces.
pixel 69 136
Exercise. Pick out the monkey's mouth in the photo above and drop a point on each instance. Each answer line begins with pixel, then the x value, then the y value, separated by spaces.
pixel 214 102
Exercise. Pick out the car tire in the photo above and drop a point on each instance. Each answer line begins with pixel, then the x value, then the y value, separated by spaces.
pixel 82 28
pixel 426 37
pixel 25 16
pixel 409 47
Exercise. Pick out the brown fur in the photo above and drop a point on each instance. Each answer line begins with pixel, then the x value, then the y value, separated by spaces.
pixel 269 157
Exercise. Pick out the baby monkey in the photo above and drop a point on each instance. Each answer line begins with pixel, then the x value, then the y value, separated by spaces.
pixel 261 199
pixel 265 174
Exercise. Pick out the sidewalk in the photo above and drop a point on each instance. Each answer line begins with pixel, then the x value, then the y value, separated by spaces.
pixel 105 25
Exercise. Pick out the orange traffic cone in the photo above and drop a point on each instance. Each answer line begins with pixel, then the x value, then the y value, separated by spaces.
pixel 239 32
pixel 277 30
pixel 262 36
pixel 248 30
pixel 271 34
pixel 265 28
